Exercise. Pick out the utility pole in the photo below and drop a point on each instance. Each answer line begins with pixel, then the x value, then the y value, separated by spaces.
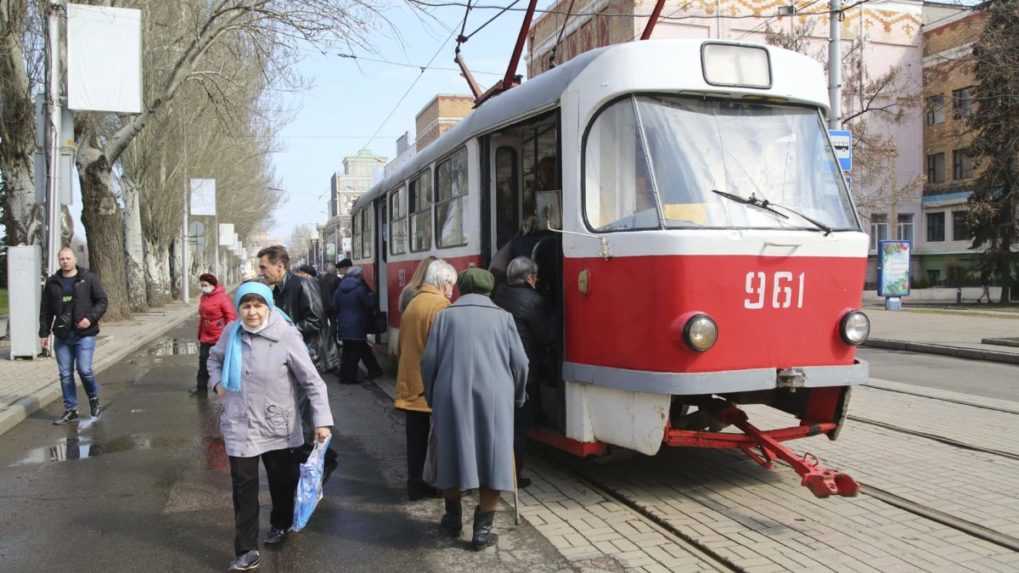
pixel 835 66
pixel 56 13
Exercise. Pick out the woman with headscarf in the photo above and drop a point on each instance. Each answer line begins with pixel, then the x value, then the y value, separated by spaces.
pixel 215 311
pixel 257 368
pixel 474 369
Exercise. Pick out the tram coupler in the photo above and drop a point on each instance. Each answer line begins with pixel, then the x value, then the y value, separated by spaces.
pixel 821 481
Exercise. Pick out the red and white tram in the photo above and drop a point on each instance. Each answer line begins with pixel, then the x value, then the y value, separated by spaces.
pixel 710 251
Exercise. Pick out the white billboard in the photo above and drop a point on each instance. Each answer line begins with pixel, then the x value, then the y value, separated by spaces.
pixel 104 59
pixel 226 234
pixel 203 197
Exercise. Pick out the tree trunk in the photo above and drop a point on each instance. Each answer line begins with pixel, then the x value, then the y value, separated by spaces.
pixel 24 216
pixel 174 264
pixel 134 251
pixel 104 227
pixel 156 285
pixel 165 278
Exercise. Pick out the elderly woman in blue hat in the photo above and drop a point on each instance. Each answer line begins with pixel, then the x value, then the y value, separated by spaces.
pixel 257 368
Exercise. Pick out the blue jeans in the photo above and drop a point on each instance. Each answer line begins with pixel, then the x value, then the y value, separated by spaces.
pixel 75 352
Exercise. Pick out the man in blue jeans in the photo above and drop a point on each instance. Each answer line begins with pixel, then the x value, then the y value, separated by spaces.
pixel 73 301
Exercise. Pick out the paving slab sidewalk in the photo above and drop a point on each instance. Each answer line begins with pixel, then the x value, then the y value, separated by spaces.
pixel 957 334
pixel 29 385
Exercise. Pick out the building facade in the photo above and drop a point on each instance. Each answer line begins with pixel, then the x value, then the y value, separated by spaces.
pixel 881 43
pixel 946 256
pixel 441 114
pixel 358 175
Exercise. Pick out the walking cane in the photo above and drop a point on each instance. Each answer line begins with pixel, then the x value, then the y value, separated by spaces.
pixel 516 493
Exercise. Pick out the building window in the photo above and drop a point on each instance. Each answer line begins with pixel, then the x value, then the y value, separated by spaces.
pixel 935 109
pixel 904 227
pixel 962 103
pixel 960 226
pixel 962 164
pixel 451 189
pixel 934 276
pixel 935 227
pixel 936 168
pixel 878 229
pixel 421 212
pixel 398 221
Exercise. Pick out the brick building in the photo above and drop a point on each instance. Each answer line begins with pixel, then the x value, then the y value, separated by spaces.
pixel 951 171
pixel 442 113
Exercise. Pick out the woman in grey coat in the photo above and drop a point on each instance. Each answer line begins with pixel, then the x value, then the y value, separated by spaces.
pixel 257 369
pixel 474 370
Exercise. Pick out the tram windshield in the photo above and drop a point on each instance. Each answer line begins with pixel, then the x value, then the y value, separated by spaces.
pixel 658 161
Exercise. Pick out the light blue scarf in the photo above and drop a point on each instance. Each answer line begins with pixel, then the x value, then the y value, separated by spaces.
pixel 231 376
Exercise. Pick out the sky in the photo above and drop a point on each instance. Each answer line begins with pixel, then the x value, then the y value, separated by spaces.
pixel 349 101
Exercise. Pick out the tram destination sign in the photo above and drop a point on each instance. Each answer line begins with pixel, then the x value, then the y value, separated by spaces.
pixel 842 141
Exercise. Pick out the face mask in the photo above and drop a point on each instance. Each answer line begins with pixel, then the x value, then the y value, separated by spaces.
pixel 208 289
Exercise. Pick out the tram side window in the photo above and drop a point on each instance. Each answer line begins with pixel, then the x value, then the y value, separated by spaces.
pixel 398 221
pixel 421 212
pixel 451 187
pixel 618 195
pixel 368 232
pixel 355 221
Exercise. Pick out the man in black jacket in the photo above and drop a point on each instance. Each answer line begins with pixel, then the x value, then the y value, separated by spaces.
pixel 531 314
pixel 297 296
pixel 73 301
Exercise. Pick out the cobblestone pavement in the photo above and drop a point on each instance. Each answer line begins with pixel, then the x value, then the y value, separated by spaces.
pixel 27 385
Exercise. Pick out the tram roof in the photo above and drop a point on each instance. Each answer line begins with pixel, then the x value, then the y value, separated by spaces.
pixel 532 97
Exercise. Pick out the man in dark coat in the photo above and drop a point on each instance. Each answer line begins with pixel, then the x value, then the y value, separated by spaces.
pixel 355 306
pixel 531 315
pixel 327 283
pixel 73 301
pixel 297 296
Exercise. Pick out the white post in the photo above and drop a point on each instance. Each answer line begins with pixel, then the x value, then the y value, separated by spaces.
pixel 56 10
pixel 184 273
pixel 835 66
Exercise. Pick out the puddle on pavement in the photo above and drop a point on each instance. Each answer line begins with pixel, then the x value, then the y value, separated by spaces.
pixel 169 346
pixel 83 447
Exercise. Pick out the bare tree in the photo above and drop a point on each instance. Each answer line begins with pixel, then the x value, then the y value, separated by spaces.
pixel 272 29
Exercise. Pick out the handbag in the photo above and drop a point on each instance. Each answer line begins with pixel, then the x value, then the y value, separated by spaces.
pixel 379 322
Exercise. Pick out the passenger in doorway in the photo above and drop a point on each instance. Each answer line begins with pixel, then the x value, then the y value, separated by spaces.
pixel 415 324
pixel 416 280
pixel 73 301
pixel 355 305
pixel 474 370
pixel 534 324
pixel 258 368
pixel 215 311
pixel 327 283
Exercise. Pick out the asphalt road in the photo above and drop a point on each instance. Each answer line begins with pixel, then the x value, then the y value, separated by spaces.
pixel 977 377
pixel 147 488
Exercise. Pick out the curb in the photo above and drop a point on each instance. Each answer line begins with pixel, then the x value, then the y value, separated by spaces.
pixel 944 350
pixel 25 406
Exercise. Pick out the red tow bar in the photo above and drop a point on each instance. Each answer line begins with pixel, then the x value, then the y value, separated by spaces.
pixel 821 481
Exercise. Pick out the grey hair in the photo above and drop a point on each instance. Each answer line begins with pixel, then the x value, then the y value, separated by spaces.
pixel 440 273
pixel 519 269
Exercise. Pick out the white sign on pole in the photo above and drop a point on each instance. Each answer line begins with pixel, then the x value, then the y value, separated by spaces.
pixel 203 197
pixel 104 59
pixel 226 234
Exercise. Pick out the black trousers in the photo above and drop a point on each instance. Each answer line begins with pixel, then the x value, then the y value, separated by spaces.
pixel 203 366
pixel 418 425
pixel 521 426
pixel 354 352
pixel 282 468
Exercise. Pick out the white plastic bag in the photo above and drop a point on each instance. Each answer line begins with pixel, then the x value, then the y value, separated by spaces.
pixel 309 488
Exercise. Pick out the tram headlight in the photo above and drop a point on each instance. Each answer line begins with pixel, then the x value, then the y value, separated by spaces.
pixel 854 328
pixel 700 332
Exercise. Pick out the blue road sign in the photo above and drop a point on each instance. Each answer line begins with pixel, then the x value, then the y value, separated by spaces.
pixel 842 141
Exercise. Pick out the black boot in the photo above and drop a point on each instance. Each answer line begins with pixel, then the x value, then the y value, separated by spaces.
pixel 452 522
pixel 483 521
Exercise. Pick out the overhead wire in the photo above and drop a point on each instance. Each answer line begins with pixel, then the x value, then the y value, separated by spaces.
pixel 407 65
pixel 555 48
pixel 492 19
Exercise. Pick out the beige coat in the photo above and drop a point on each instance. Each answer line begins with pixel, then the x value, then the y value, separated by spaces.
pixel 414 326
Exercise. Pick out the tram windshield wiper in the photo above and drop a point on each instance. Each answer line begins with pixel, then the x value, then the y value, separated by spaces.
pixel 773 208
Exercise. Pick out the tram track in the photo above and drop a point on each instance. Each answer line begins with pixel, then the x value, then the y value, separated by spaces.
pixel 943 399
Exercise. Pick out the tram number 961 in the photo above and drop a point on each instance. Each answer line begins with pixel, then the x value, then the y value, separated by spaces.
pixel 786 290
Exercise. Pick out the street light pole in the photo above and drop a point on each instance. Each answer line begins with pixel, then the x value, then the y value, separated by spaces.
pixel 835 66
pixel 56 11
